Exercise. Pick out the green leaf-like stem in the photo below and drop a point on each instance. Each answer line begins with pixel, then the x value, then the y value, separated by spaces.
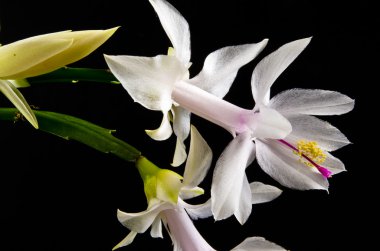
pixel 72 128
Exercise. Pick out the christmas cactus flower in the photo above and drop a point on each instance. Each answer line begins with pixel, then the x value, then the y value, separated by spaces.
pixel 166 191
pixel 301 160
pixel 42 54
pixel 157 82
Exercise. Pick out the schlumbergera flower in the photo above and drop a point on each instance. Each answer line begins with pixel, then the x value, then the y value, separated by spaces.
pixel 298 159
pixel 166 190
pixel 301 160
pixel 156 82
pixel 42 54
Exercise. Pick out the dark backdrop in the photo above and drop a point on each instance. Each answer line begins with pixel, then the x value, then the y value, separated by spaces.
pixel 61 195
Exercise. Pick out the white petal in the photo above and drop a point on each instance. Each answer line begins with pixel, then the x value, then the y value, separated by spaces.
pixel 333 164
pixel 199 161
pixel 245 205
pixel 262 193
pixel 268 123
pixel 283 165
pixel 199 211
pixel 314 102
pixel 126 241
pixel 229 175
pixel 188 192
pixel 268 69
pixel 310 128
pixel 18 100
pixel 164 131
pixel 257 244
pixel 181 128
pixel 140 222
pixel 175 27
pixel 156 229
pixel 221 66
pixel 149 81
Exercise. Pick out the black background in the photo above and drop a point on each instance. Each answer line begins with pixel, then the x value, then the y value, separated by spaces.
pixel 61 195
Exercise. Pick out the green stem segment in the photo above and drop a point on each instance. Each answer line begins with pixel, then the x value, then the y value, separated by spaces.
pixel 72 128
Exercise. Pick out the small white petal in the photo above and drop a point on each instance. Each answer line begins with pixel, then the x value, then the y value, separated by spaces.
pixel 181 128
pixel 140 222
pixel 18 100
pixel 268 123
pixel 164 131
pixel 199 161
pixel 257 244
pixel 221 66
pixel 268 69
pixel 229 175
pixel 188 192
pixel 126 241
pixel 199 211
pixel 149 81
pixel 156 229
pixel 305 127
pixel 180 154
pixel 314 102
pixel 283 165
pixel 176 27
pixel 262 193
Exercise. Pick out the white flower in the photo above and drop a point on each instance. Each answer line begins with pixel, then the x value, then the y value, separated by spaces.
pixel 175 216
pixel 300 160
pixel 41 54
pixel 162 81
pixel 157 82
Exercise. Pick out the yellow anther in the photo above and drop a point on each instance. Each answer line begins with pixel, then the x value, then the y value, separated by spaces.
pixel 311 150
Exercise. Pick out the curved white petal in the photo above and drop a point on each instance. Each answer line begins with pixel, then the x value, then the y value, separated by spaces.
pixel 268 123
pixel 314 102
pixel 199 211
pixel 221 66
pixel 181 128
pixel 245 202
pixel 257 244
pixel 140 222
pixel 199 161
pixel 268 69
pixel 188 192
pixel 18 100
pixel 126 241
pixel 306 127
pixel 283 165
pixel 149 81
pixel 262 193
pixel 176 27
pixel 180 154
pixel 164 131
pixel 229 176
pixel 333 164
pixel 156 229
